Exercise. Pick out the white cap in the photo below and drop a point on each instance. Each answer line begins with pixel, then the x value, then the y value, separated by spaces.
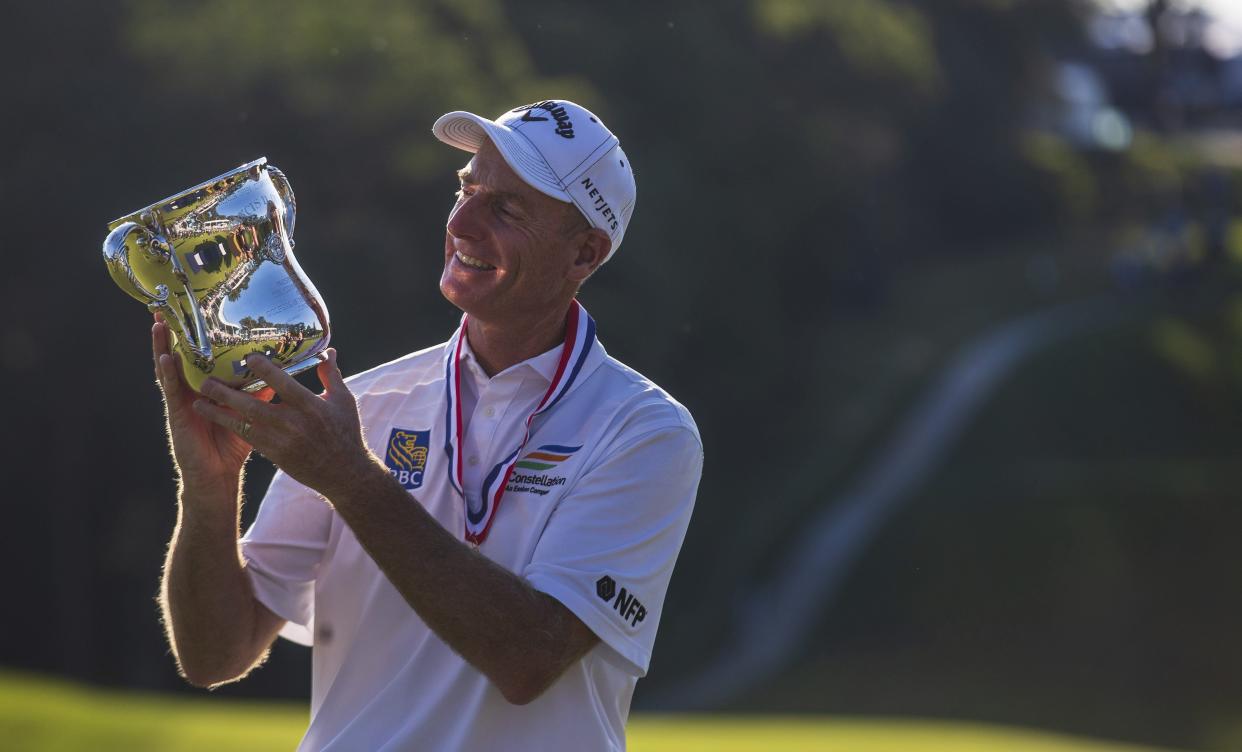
pixel 560 149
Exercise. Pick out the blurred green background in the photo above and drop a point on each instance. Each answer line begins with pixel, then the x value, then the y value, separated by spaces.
pixel 952 287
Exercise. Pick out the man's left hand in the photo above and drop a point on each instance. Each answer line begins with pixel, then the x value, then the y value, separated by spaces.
pixel 315 438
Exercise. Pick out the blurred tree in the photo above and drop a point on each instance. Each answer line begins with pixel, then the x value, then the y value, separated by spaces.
pixel 377 69
pixel 877 39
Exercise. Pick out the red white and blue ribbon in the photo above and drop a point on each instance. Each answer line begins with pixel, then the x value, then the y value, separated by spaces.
pixel 579 339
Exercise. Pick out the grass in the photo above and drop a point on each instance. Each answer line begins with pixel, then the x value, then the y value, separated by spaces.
pixel 42 715
pixel 813 734
pixel 45 715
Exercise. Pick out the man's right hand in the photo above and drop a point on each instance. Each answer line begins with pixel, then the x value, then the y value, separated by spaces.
pixel 207 455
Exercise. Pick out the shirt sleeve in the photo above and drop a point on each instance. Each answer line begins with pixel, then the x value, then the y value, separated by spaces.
pixel 608 550
pixel 283 550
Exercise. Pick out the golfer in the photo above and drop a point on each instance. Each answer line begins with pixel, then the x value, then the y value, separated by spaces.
pixel 476 538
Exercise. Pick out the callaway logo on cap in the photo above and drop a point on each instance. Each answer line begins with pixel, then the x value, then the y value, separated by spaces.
pixel 560 149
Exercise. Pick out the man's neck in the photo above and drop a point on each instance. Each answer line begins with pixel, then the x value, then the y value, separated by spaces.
pixel 500 345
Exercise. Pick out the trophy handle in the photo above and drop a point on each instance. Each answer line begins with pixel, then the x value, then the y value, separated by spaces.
pixel 117 246
pixel 131 237
pixel 286 195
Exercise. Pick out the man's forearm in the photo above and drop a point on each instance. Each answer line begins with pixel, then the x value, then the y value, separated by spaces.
pixel 518 637
pixel 210 615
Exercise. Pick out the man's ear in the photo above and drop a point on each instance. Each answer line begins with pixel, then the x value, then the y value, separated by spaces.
pixel 593 245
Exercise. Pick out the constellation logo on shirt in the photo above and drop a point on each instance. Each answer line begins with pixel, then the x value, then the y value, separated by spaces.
pixel 624 603
pixel 546 457
pixel 406 457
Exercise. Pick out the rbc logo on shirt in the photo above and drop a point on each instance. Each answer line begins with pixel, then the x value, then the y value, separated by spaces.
pixel 406 457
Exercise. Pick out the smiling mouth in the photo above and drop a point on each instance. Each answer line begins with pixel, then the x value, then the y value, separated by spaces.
pixel 472 262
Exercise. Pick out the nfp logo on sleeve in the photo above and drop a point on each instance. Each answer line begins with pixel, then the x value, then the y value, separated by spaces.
pixel 626 604
pixel 406 457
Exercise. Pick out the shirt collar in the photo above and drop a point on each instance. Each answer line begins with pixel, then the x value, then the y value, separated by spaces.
pixel 543 364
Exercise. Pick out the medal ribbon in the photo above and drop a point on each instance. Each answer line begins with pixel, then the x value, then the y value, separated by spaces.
pixel 579 339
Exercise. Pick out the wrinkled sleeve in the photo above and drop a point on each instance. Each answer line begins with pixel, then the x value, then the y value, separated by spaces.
pixel 608 550
pixel 283 550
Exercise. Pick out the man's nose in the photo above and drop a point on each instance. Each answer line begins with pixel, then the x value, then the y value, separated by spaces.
pixel 463 220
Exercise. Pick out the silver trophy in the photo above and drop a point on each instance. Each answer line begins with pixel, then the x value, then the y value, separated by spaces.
pixel 217 262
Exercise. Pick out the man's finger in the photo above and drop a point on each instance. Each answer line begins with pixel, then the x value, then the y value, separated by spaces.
pixel 155 353
pixel 225 417
pixel 330 373
pixel 246 405
pixel 170 377
pixel 159 338
pixel 290 391
pixel 167 373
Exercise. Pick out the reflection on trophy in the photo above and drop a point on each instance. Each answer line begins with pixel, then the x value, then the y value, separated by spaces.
pixel 216 261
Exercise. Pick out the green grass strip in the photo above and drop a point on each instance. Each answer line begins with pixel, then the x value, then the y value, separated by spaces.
pixel 38 714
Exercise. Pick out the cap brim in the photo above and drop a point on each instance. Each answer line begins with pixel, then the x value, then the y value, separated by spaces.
pixel 466 131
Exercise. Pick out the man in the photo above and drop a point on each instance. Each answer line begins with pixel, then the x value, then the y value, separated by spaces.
pixel 476 538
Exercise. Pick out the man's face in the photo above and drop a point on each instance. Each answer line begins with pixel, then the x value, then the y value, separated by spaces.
pixel 508 249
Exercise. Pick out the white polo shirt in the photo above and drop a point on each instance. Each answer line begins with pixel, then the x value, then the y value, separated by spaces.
pixel 598 528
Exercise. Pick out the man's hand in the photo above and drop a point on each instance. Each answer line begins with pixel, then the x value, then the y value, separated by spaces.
pixel 316 439
pixel 207 455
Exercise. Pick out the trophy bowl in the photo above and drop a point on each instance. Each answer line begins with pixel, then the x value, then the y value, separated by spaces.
pixel 216 261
